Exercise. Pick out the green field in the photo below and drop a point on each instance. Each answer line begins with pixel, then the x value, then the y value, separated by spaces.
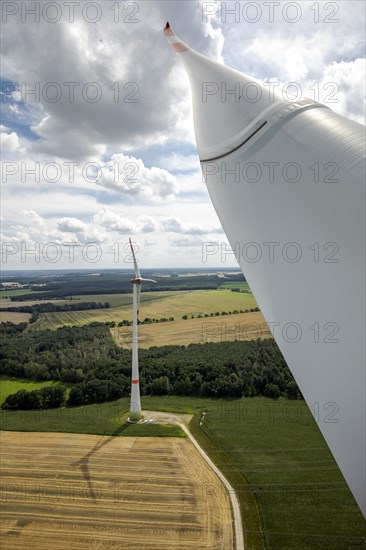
pixel 243 285
pixel 296 496
pixel 12 385
pixel 153 305
pixel 10 293
pixel 303 498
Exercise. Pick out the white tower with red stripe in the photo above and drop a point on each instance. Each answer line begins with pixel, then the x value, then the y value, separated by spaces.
pixel 135 406
pixel 249 138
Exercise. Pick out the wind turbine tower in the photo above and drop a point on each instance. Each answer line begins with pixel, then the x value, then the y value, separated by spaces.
pixel 135 406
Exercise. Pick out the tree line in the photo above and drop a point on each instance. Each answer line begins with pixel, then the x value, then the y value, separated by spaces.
pixel 48 397
pixel 98 370
pixel 150 320
pixel 50 307
pixel 116 285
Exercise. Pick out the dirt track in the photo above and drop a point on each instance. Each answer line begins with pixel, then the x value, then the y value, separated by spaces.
pixel 71 491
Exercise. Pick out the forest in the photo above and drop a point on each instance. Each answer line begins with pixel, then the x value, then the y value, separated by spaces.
pixel 47 307
pixel 87 358
pixel 118 285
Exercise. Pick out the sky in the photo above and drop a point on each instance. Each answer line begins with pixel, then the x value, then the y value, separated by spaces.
pixel 97 133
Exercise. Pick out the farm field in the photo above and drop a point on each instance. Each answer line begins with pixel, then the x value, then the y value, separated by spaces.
pixel 291 491
pixel 243 285
pixel 14 317
pixel 55 320
pixel 121 300
pixel 301 494
pixel 9 293
pixel 241 326
pixel 115 300
pixel 85 491
pixel 12 385
pixel 153 304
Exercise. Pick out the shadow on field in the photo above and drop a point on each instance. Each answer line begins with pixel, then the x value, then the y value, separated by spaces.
pixel 16 530
pixel 83 463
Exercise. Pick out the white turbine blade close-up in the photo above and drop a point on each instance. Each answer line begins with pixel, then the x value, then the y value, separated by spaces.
pixel 330 372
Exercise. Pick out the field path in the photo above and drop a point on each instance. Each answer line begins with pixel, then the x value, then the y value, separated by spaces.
pixel 182 420
pixel 239 535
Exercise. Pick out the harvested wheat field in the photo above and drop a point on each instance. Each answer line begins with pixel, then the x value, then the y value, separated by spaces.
pixel 225 328
pixel 71 491
pixel 14 317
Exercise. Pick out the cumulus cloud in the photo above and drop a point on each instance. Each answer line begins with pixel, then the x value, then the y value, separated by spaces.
pixel 305 51
pixel 32 226
pixel 125 226
pixel 150 242
pixel 9 142
pixel 81 231
pixel 174 225
pixel 121 92
pixel 129 175
pixel 33 217
pixel 349 96
pixel 71 225
pixel 185 241
pixel 146 224
pixel 113 222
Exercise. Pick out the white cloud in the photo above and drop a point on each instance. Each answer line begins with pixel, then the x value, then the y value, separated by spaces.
pixel 7 239
pixel 129 175
pixel 125 226
pixel 349 93
pixel 146 224
pixel 130 64
pixel 150 242
pixel 33 217
pixel 174 225
pixel 305 52
pixel 83 232
pixel 113 222
pixel 185 241
pixel 71 225
pixel 9 142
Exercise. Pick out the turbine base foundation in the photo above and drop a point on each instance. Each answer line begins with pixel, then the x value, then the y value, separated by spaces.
pixel 135 417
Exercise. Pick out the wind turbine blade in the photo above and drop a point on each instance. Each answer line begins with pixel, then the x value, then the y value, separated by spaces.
pixel 302 291
pixel 136 267
pixel 149 280
pixel 138 296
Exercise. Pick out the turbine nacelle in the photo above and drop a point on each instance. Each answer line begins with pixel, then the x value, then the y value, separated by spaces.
pixel 138 280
